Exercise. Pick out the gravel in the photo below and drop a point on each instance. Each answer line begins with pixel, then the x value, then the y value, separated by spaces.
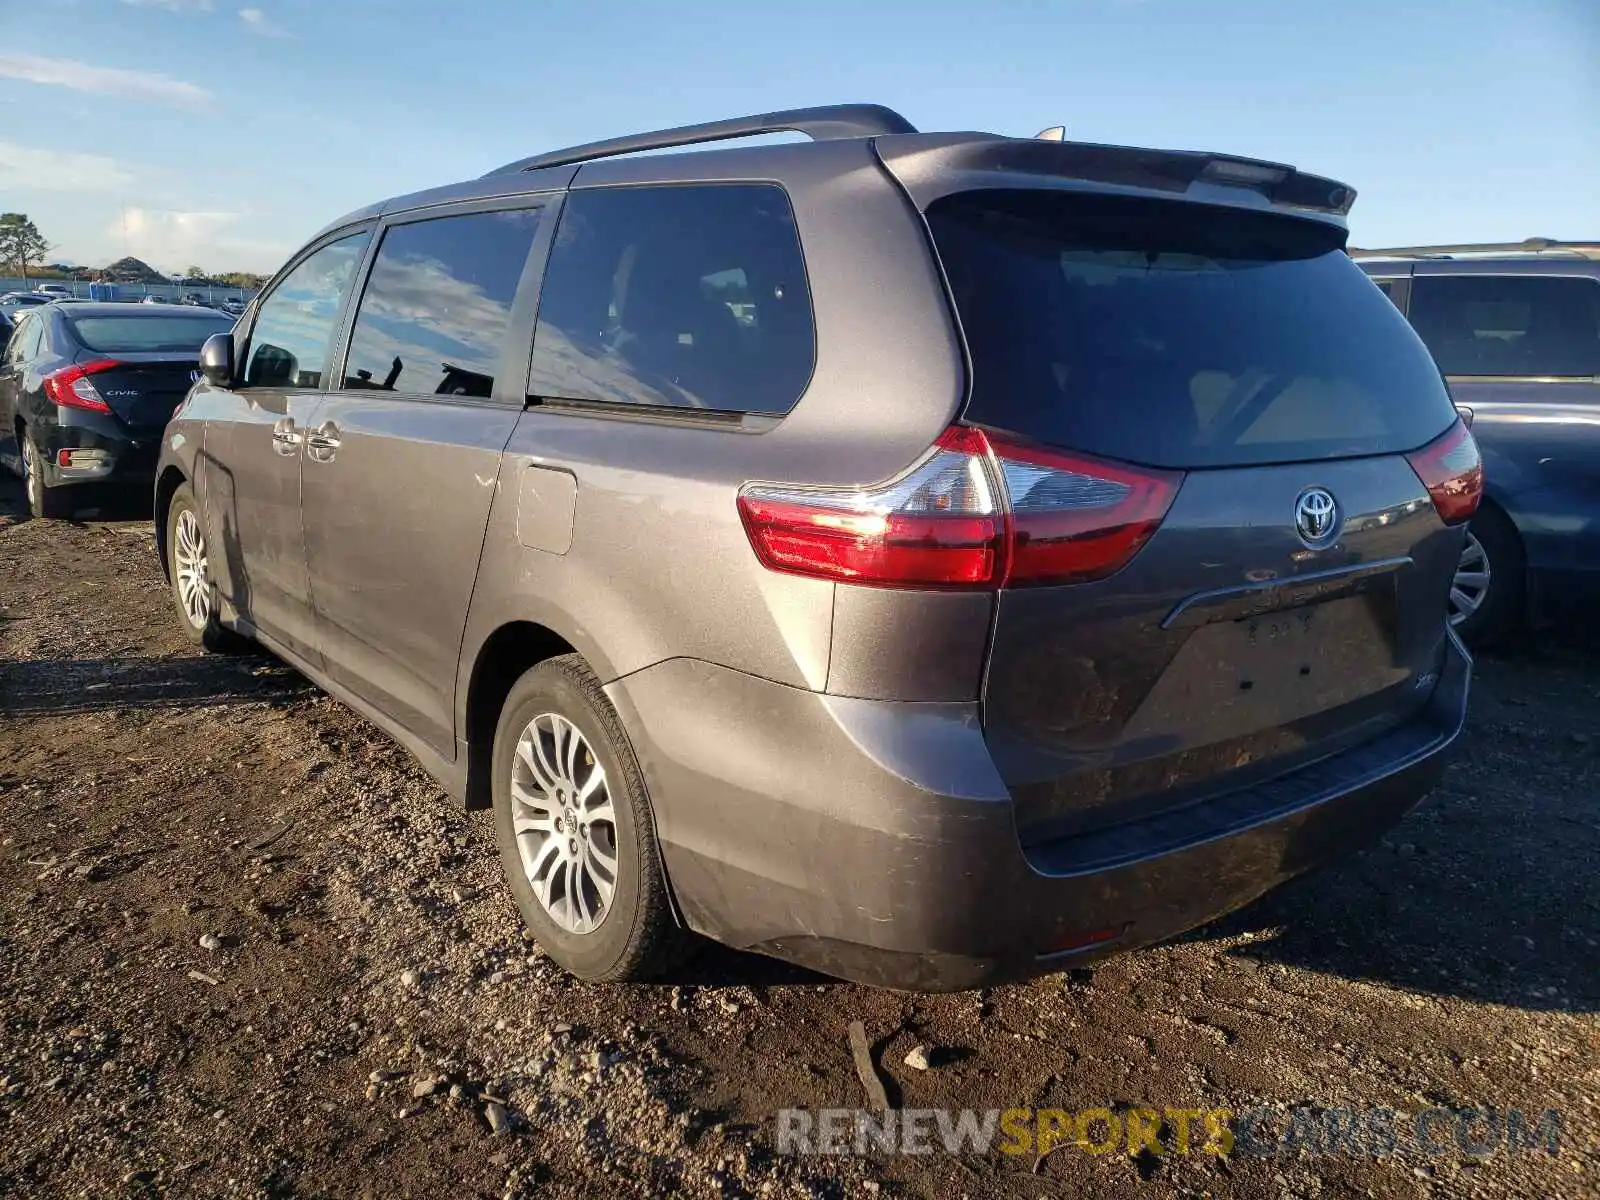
pixel 365 918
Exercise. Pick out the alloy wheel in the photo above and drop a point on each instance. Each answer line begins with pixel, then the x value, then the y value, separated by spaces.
pixel 190 567
pixel 564 823
pixel 1470 587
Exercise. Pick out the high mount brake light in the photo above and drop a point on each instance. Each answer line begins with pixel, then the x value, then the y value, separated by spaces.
pixel 978 511
pixel 1451 468
pixel 71 387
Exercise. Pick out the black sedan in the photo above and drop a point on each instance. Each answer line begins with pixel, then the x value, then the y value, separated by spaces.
pixel 86 390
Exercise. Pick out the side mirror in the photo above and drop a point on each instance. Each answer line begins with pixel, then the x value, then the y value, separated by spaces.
pixel 216 360
pixel 1466 415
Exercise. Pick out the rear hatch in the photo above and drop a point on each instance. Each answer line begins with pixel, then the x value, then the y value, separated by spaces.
pixel 143 365
pixel 1223 405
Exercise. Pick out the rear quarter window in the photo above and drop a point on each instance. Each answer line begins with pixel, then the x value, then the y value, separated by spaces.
pixel 685 296
pixel 1177 335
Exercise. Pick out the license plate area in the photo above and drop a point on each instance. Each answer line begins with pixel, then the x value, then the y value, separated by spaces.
pixel 1237 677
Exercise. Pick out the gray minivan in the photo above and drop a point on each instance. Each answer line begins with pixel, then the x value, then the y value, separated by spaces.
pixel 930 558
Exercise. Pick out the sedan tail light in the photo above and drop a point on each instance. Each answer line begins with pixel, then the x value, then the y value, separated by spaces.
pixel 71 386
pixel 978 511
pixel 1451 468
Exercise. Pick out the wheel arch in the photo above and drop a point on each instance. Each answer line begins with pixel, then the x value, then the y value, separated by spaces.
pixel 505 656
pixel 167 484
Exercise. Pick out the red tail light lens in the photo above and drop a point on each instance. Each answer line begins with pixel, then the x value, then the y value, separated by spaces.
pixel 976 512
pixel 71 387
pixel 938 525
pixel 1074 518
pixel 1451 468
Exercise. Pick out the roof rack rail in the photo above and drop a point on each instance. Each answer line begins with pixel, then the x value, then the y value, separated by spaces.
pixel 1535 245
pixel 822 123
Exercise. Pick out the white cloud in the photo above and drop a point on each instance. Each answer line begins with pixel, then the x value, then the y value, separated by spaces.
pixel 166 235
pixel 256 22
pixel 175 5
pixel 107 81
pixel 174 238
pixel 30 167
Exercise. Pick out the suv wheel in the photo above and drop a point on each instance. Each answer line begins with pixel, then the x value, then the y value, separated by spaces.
pixel 577 838
pixel 43 501
pixel 1486 594
pixel 189 569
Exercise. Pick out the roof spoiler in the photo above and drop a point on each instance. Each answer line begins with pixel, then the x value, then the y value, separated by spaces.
pixel 823 123
pixel 935 164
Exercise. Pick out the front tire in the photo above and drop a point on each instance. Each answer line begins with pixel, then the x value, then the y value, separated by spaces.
pixel 43 501
pixel 1486 595
pixel 575 829
pixel 189 572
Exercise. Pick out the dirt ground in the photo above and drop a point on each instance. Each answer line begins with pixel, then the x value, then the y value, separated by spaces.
pixel 364 1007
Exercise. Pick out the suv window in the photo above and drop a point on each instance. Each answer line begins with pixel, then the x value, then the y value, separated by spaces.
pixel 434 314
pixel 683 296
pixel 289 341
pixel 1179 336
pixel 1509 324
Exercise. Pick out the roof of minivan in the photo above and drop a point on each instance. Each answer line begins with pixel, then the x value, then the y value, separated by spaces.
pixel 927 164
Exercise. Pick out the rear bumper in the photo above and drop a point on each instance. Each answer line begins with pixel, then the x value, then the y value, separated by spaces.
pixel 129 455
pixel 875 841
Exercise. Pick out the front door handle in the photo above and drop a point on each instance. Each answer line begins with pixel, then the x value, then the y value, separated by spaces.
pixel 323 441
pixel 286 438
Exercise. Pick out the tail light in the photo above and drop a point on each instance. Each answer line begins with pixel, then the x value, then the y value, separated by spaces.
pixel 1451 468
pixel 71 387
pixel 977 511
pixel 1074 519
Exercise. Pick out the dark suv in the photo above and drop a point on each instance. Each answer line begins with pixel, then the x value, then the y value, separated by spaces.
pixel 1516 330
pixel 933 558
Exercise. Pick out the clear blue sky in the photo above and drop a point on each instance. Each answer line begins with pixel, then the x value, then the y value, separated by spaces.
pixel 228 132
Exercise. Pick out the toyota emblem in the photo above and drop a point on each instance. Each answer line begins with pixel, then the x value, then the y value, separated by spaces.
pixel 1316 517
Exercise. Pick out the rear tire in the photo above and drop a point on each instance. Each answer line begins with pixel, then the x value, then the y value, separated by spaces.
pixel 194 593
pixel 1493 547
pixel 575 828
pixel 43 501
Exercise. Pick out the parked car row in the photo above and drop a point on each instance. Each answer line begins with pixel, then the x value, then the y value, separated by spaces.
pixel 86 391
pixel 10 302
pixel 952 558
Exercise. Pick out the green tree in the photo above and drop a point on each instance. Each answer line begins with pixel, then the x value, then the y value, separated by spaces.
pixel 21 243
pixel 194 273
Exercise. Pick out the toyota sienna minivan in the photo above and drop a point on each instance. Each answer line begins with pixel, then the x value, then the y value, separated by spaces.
pixel 930 558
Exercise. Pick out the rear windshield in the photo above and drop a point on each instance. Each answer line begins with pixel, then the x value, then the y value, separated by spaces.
pixel 131 334
pixel 1179 336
